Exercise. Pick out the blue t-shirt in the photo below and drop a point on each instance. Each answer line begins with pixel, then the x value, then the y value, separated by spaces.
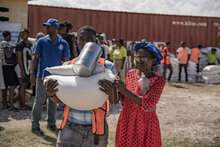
pixel 51 54
pixel 103 53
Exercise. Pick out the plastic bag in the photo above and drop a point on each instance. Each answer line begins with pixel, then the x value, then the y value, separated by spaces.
pixel 144 84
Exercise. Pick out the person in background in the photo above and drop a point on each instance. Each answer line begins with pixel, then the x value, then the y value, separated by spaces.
pixel 194 57
pixel 24 58
pixel 119 54
pixel 62 29
pixel 130 56
pixel 8 67
pixel 183 54
pixel 50 51
pixel 71 39
pixel 166 60
pixel 105 48
pixel 39 35
pixel 112 49
pixel 213 57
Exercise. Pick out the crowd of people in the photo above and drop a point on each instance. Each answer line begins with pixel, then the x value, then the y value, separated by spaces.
pixel 23 64
pixel 16 65
pixel 186 55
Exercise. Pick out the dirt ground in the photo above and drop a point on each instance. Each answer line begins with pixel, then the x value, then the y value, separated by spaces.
pixel 185 111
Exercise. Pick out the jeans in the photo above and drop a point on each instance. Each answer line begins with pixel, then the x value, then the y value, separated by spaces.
pixel 76 135
pixel 38 103
pixel 185 69
pixel 169 66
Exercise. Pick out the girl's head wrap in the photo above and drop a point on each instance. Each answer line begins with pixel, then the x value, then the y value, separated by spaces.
pixel 151 48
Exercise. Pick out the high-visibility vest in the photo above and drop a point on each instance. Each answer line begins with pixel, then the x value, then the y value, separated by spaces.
pixel 183 55
pixel 98 115
pixel 166 59
pixel 194 57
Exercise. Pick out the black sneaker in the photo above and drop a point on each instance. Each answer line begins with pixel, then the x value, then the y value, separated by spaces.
pixel 37 131
pixel 52 128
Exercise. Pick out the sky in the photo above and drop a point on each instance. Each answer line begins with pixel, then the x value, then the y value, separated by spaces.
pixel 177 7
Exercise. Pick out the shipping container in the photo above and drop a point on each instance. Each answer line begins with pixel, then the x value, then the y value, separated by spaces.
pixel 155 28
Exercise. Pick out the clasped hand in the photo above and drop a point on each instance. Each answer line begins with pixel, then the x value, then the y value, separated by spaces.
pixel 111 88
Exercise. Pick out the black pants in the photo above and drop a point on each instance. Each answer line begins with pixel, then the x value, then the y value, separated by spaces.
pixel 197 67
pixel 211 63
pixel 180 70
pixel 169 66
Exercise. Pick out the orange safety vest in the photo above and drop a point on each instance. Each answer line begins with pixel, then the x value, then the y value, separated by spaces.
pixel 98 115
pixel 183 55
pixel 194 57
pixel 166 59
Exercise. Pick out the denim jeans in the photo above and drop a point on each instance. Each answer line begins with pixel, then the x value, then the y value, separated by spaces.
pixel 38 103
pixel 76 135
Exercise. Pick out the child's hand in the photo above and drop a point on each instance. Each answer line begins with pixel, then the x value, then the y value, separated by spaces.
pixel 120 86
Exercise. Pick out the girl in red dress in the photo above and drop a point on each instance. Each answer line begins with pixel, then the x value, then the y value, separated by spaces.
pixel 138 125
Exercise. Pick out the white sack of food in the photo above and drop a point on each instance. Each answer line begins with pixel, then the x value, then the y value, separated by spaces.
pixel 212 68
pixel 211 74
pixel 82 93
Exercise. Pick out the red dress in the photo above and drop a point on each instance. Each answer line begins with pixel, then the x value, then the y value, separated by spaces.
pixel 137 128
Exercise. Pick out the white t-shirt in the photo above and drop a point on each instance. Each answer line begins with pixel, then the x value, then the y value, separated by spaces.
pixel 106 50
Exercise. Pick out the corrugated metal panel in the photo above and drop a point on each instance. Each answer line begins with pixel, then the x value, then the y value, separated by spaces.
pixel 133 26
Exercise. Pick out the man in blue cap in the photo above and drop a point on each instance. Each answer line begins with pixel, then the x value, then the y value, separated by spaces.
pixel 50 51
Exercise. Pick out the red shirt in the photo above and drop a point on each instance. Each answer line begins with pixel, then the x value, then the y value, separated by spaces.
pixel 166 59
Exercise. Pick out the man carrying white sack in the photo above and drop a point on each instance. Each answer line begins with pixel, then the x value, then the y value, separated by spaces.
pixel 50 51
pixel 83 128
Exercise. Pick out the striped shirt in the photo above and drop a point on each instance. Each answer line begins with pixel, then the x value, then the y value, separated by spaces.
pixel 85 117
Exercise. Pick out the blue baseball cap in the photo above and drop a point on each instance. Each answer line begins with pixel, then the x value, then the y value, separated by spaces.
pixel 52 22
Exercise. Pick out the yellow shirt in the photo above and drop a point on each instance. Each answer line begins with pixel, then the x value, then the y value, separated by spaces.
pixel 111 51
pixel 120 53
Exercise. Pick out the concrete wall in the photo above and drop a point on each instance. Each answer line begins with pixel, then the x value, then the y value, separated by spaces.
pixel 18 11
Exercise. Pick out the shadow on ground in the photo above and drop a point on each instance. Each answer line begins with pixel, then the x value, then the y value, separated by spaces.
pixel 176 85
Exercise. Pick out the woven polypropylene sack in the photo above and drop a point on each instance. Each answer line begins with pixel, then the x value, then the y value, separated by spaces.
pixel 81 93
pixel 211 74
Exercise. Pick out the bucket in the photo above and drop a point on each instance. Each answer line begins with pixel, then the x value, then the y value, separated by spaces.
pixel 87 59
